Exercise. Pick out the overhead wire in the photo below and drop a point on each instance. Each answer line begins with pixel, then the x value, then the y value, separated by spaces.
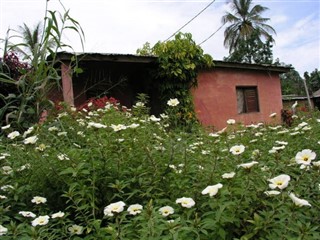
pixel 190 20
pixel 211 34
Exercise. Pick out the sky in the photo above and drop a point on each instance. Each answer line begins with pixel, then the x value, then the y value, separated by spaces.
pixel 123 26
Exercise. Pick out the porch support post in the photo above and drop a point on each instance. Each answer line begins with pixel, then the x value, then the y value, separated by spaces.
pixel 67 86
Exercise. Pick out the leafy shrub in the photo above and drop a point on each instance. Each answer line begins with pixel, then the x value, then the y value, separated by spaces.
pixel 106 173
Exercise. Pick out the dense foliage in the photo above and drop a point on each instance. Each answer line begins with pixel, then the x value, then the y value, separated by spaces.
pixel 179 61
pixel 24 86
pixel 118 173
pixel 252 50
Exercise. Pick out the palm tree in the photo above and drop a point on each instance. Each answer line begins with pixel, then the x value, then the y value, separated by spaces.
pixel 243 22
pixel 31 40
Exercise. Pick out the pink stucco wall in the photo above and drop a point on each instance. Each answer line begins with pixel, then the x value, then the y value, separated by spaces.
pixel 215 97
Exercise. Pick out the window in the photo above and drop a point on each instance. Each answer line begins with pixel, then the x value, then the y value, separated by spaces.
pixel 247 98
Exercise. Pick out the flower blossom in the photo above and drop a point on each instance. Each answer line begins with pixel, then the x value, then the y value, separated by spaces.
pixel 273 115
pixel 247 165
pixel 38 200
pixel 153 118
pixel 212 190
pixel 13 134
pixel 3 230
pixel 280 181
pixel 272 192
pixel 186 202
pixel 228 175
pixel 305 157
pixel 96 125
pixel 231 121
pixel 75 229
pixel 166 210
pixel 114 208
pixel 57 215
pixel 5 127
pixel 118 127
pixel 27 214
pixel 135 209
pixel 298 201
pixel 237 149
pixel 30 140
pixel 41 220
pixel 173 102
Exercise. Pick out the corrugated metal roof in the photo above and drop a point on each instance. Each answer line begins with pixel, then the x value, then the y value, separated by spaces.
pixel 116 57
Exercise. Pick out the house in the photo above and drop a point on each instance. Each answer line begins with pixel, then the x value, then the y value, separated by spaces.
pixel 248 93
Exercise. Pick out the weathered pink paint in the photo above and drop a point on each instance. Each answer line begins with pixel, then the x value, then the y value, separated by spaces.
pixel 215 97
pixel 67 85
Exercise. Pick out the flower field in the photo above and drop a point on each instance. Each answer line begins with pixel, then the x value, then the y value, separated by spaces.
pixel 109 172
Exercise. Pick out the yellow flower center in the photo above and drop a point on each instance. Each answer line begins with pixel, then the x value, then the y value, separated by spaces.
pixel 305 158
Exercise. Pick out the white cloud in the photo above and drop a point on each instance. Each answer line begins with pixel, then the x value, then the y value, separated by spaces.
pixel 122 26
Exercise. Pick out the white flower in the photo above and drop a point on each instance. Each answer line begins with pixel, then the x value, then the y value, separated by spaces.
pixel 62 157
pixel 247 165
pixel 6 187
pixel 280 181
pixel 303 124
pixel 273 115
pixel 62 133
pixel 272 192
pixel 3 197
pixel 231 121
pixel 38 200
pixel 13 134
pixel 228 175
pixel 5 127
pixel 205 152
pixel 135 209
pixel 7 170
pixel 3 230
pixel 214 135
pixel 41 220
pixel 186 202
pixel 316 164
pixel 138 104
pixel 212 190
pixel 51 129
pixel 153 118
pixel 282 143
pixel 134 125
pixel 114 208
pixel 57 215
pixel 118 127
pixel 237 149
pixel 96 125
pixel 41 147
pixel 75 229
pixel 305 157
pixel 30 129
pixel 166 210
pixel 30 140
pixel 27 214
pixel 173 102
pixel 298 201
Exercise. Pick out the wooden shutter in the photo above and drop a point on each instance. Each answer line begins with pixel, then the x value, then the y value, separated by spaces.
pixel 251 100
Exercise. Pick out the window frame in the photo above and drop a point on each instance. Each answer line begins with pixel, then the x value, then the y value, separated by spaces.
pixel 247 99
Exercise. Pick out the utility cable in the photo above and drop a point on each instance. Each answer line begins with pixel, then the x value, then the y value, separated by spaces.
pixel 190 20
pixel 212 34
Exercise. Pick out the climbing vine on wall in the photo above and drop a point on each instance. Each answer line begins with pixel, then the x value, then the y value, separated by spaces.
pixel 179 61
